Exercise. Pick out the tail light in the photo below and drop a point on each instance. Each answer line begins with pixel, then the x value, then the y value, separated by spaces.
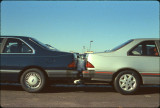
pixel 72 65
pixel 89 65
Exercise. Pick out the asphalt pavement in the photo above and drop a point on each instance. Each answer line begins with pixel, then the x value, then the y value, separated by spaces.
pixel 12 95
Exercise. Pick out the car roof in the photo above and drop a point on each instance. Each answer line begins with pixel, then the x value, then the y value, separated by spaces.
pixel 4 36
pixel 147 39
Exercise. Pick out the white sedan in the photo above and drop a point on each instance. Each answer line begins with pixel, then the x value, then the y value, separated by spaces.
pixel 133 63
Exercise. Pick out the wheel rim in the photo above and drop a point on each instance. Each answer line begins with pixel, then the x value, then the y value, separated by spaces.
pixel 33 80
pixel 127 82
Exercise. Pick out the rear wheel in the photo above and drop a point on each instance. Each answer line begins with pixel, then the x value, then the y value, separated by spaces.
pixel 127 82
pixel 33 80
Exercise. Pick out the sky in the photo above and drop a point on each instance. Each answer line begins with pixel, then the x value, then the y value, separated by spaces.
pixel 71 25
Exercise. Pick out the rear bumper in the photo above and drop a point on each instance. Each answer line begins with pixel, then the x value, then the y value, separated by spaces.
pixel 62 73
pixel 99 76
pixel 88 74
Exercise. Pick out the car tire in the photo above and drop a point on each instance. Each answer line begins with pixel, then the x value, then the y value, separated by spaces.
pixel 33 80
pixel 127 82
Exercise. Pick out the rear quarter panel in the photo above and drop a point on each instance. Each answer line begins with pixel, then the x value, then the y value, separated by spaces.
pixel 143 65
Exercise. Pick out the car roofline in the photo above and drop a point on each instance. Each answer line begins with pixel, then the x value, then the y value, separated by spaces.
pixel 9 36
pixel 147 39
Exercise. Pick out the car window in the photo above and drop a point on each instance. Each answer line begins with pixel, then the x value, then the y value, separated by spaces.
pixel 1 41
pixel 120 46
pixel 47 46
pixel 16 46
pixel 147 48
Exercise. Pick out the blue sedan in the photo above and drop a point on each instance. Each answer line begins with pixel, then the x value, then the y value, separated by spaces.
pixel 27 61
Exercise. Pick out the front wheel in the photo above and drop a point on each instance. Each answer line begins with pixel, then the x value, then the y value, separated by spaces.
pixel 127 82
pixel 33 80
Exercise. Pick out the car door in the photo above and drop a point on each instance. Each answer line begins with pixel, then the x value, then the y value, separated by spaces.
pixel 145 59
pixel 14 56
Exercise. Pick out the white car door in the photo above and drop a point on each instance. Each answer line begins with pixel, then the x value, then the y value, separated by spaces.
pixel 147 61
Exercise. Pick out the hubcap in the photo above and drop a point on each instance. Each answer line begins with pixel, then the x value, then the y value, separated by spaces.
pixel 32 80
pixel 127 82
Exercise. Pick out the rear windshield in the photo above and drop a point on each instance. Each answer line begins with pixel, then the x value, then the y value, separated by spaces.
pixel 44 45
pixel 120 46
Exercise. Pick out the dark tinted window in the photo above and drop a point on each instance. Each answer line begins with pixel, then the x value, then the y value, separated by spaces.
pixel 16 46
pixel 147 48
pixel 1 41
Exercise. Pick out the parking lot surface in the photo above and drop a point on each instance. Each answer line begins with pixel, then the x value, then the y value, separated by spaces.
pixel 78 96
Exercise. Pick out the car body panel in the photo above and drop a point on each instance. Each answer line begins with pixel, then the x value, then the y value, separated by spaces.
pixel 54 63
pixel 107 64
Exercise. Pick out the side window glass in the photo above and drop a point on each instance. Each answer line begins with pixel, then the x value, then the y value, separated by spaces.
pixel 147 48
pixel 151 50
pixel 1 39
pixel 137 50
pixel 16 46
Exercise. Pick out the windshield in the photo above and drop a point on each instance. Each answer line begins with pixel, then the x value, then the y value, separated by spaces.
pixel 47 46
pixel 119 46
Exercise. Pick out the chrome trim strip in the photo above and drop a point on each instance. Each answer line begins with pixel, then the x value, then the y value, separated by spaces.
pixel 9 71
pixel 33 50
pixel 61 71
pixel 56 70
pixel 149 72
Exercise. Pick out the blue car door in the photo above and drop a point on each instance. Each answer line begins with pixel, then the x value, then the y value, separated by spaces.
pixel 15 55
